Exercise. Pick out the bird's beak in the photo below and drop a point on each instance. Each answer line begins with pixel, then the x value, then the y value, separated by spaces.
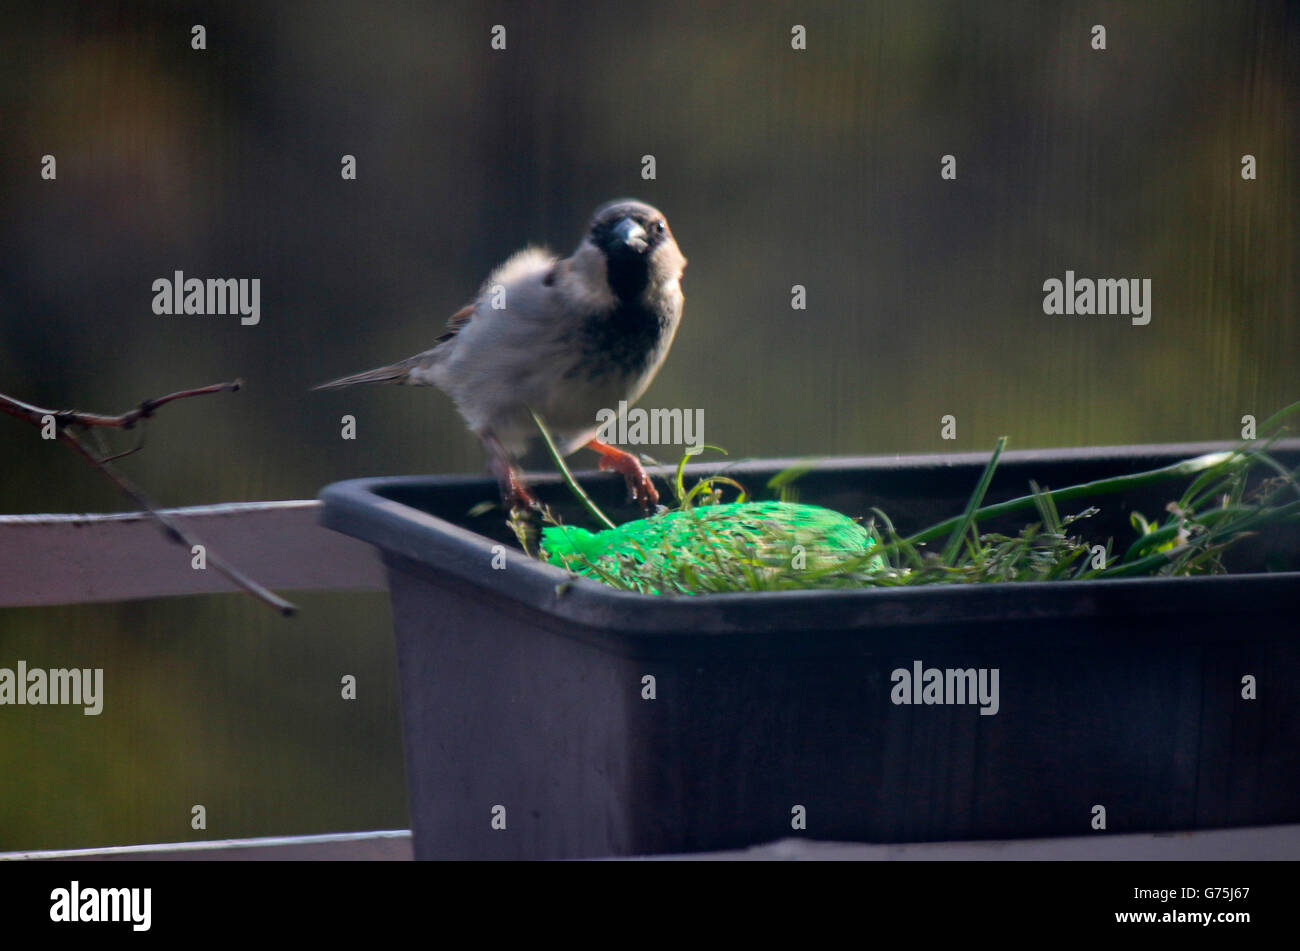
pixel 631 234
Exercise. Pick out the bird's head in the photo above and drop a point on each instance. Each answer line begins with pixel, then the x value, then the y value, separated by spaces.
pixel 637 246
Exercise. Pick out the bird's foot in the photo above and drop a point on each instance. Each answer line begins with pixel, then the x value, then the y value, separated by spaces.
pixel 639 486
pixel 515 495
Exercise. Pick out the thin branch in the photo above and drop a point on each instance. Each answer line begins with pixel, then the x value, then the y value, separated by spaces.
pixel 66 420
pixel 63 417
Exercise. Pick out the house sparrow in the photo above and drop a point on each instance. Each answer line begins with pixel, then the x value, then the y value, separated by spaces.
pixel 564 338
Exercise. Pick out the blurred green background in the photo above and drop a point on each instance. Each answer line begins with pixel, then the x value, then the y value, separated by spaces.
pixel 775 167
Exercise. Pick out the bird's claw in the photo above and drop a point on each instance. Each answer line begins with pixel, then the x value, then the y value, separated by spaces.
pixel 515 494
pixel 643 491
pixel 517 498
pixel 639 486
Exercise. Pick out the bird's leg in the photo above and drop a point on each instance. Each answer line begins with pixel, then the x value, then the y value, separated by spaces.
pixel 629 466
pixel 514 492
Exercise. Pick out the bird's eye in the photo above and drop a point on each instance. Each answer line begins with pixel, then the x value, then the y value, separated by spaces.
pixel 660 226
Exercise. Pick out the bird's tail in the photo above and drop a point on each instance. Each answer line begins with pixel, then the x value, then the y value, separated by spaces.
pixel 401 372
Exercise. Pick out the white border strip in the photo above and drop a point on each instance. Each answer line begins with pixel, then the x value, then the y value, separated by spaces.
pixel 210 845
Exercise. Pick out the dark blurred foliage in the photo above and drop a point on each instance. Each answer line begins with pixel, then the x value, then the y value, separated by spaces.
pixel 776 168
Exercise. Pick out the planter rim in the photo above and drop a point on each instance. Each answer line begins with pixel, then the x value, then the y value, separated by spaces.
pixel 359 508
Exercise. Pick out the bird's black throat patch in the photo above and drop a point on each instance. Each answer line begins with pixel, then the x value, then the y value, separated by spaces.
pixel 620 341
pixel 628 274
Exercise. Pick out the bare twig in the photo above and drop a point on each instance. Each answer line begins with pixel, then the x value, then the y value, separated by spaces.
pixel 62 417
pixel 67 422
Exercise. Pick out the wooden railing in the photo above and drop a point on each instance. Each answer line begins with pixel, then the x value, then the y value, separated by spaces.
pixel 73 559
pixel 76 559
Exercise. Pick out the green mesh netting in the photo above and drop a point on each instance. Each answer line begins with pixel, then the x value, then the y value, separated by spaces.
pixel 759 536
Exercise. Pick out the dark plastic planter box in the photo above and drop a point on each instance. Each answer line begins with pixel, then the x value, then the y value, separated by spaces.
pixel 521 692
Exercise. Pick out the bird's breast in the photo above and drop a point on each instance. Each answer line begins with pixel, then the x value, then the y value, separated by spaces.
pixel 627 341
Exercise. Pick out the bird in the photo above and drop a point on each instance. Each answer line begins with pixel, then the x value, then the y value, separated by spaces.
pixel 560 337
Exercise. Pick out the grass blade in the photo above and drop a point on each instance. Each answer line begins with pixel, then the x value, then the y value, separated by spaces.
pixel 1110 486
pixel 571 482
pixel 968 517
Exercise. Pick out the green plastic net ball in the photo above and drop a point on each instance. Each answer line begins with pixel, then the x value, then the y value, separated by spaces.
pixel 771 539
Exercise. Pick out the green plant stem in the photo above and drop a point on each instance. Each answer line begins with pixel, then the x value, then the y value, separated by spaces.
pixel 1109 486
pixel 569 480
pixel 951 550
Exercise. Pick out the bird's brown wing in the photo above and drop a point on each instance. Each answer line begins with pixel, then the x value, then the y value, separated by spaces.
pixel 400 372
pixel 466 313
pixel 456 321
